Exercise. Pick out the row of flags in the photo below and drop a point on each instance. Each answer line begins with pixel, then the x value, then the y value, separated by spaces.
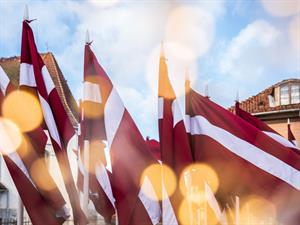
pixel 248 157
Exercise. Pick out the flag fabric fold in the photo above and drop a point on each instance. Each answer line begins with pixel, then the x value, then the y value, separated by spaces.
pixel 263 127
pixel 19 164
pixel 247 161
pixel 35 76
pixel 129 152
pixel 174 144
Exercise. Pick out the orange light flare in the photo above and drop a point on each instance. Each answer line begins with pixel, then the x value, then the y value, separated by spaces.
pixel 10 136
pixel 23 108
pixel 93 109
pixel 257 210
pixel 155 175
pixel 193 213
pixel 194 177
pixel 97 155
pixel 194 208
pixel 40 175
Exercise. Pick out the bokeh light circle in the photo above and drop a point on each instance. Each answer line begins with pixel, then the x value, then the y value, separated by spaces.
pixel 156 175
pixel 23 109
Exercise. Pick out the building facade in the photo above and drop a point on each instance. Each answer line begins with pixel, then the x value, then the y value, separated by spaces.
pixel 275 105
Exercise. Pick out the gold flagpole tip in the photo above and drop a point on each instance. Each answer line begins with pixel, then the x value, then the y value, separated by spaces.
pixel 26 14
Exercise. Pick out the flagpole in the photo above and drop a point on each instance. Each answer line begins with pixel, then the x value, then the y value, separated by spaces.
pixel 86 156
pixel 20 211
pixel 237 210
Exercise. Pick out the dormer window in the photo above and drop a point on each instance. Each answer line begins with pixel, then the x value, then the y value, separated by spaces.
pixel 284 95
pixel 290 93
pixel 295 93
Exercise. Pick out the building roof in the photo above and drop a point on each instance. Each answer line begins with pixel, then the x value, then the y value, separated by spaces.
pixel 260 103
pixel 12 67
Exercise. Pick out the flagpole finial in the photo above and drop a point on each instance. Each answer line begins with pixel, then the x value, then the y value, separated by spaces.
pixel 288 121
pixel 237 97
pixel 187 75
pixel 26 14
pixel 206 91
pixel 87 37
pixel 162 49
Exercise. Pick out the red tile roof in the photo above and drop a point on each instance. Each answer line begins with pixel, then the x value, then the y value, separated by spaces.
pixel 12 67
pixel 260 103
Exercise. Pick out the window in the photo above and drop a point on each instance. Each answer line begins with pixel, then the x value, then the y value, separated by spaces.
pixel 284 95
pixel 295 93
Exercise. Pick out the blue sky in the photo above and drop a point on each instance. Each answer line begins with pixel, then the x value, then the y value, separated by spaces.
pixel 230 46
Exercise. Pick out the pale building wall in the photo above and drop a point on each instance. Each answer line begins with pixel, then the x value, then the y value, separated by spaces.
pixel 281 128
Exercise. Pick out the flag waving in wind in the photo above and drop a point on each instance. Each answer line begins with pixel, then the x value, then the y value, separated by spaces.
pixel 128 150
pixel 247 161
pixel 50 203
pixel 174 144
pixel 93 132
pixel 263 127
pixel 34 75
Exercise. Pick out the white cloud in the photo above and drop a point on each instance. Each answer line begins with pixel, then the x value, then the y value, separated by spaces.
pixel 281 8
pixel 125 35
pixel 257 57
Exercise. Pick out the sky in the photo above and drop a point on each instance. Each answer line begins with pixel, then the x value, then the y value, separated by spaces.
pixel 230 46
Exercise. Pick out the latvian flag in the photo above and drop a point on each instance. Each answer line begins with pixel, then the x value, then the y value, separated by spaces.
pixel 291 136
pixel 264 127
pixel 129 152
pixel 43 206
pixel 91 129
pixel 35 77
pixel 247 161
pixel 174 144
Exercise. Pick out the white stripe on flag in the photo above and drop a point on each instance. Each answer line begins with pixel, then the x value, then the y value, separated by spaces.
pixel 187 123
pixel 103 180
pixel 47 80
pixel 91 92
pixel 113 113
pixel 18 161
pixel 160 107
pixel 168 215
pixel 281 140
pixel 176 111
pixel 50 121
pixel 27 75
pixel 295 144
pixel 4 81
pixel 213 203
pixel 247 151
pixel 152 206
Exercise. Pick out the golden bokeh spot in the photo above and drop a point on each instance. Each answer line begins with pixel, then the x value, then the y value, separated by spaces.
pixel 96 156
pixel 10 136
pixel 40 175
pixel 257 210
pixel 157 175
pixel 192 212
pixel 193 178
pixel 24 109
pixel 92 109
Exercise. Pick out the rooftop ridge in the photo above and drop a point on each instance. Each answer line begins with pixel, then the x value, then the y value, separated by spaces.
pixel 13 58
